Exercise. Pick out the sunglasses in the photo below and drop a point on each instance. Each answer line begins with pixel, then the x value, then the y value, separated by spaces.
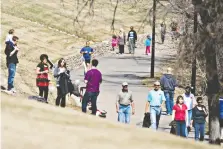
pixel 156 85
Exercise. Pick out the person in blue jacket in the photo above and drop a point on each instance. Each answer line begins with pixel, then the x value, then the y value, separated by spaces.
pixel 87 51
pixel 147 44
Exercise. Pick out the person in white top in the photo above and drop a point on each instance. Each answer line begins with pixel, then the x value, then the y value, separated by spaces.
pixel 190 102
pixel 10 35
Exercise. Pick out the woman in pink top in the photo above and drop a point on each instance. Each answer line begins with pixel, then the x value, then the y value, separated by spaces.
pixel 180 116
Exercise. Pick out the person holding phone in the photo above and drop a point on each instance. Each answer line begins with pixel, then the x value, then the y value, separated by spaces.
pixel 199 114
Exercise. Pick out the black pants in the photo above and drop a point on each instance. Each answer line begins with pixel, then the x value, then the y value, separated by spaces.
pixel 90 96
pixel 162 37
pixel 121 49
pixel 61 99
pixel 45 90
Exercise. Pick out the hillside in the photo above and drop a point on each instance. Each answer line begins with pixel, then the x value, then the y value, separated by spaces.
pixel 44 26
pixel 28 124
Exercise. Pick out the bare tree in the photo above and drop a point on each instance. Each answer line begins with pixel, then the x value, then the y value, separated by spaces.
pixel 114 14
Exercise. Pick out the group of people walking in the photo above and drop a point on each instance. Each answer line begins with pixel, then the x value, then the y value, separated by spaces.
pixel 119 41
pixel 186 112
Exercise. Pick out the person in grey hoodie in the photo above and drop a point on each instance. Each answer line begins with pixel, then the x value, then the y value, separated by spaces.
pixel 168 84
pixel 121 41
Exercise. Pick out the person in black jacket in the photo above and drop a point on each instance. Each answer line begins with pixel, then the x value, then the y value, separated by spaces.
pixel 199 114
pixel 132 38
pixel 63 77
pixel 11 52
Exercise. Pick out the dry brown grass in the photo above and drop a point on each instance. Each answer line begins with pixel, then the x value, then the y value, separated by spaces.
pixel 45 26
pixel 28 124
pixel 61 15
pixel 34 40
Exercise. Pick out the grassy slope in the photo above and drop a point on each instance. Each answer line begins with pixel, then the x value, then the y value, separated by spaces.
pixel 61 15
pixel 28 124
pixel 34 40
pixel 39 25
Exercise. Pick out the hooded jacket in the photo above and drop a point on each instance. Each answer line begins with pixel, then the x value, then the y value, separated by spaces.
pixel 168 82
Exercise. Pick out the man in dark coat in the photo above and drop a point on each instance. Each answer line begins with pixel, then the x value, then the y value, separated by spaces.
pixel 11 52
pixel 168 84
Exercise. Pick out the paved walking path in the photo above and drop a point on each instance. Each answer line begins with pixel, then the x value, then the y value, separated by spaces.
pixel 133 69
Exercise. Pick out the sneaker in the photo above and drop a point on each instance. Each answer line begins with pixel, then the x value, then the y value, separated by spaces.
pixel 12 90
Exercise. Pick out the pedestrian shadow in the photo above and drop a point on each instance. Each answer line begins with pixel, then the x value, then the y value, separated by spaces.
pixel 164 128
pixel 126 76
pixel 117 83
pixel 131 72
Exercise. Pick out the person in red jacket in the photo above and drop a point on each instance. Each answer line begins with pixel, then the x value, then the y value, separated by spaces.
pixel 180 116
pixel 42 80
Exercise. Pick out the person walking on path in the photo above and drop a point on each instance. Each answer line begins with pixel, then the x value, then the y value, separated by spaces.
pixel 11 51
pixel 132 38
pixel 124 104
pixel 86 52
pixel 114 42
pixel 174 26
pixel 93 79
pixel 189 101
pixel 163 31
pixel 42 80
pixel 168 84
pixel 199 115
pixel 180 116
pixel 62 76
pixel 155 101
pixel 121 41
pixel 147 44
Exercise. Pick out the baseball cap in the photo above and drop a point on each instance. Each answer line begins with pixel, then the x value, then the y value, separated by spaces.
pixel 157 83
pixel 124 84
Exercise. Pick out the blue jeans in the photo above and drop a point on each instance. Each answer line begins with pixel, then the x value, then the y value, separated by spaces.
pixel 124 114
pixel 169 95
pixel 188 121
pixel 11 76
pixel 90 96
pixel 199 131
pixel 181 126
pixel 155 113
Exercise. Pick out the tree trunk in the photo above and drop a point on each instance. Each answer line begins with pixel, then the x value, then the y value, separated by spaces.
pixel 214 125
pixel 153 40
pixel 213 89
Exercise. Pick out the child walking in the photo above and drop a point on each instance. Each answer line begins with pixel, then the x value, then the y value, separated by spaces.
pixel 147 44
pixel 114 42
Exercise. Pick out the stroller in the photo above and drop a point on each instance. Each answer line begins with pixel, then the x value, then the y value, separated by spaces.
pixel 100 113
